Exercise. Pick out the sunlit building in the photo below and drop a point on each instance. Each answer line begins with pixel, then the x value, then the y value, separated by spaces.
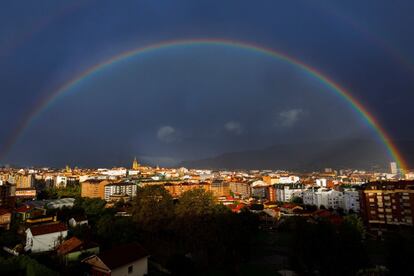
pixel 220 188
pixel 387 203
pixel 94 188
pixel 121 188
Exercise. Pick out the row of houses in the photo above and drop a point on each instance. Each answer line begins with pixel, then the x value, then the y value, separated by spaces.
pixel 131 259
pixel 41 232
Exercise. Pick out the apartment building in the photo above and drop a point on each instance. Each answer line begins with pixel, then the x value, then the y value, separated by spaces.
pixel 387 203
pixel 94 188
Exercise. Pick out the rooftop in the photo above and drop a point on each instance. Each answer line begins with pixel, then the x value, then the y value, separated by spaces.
pixel 48 228
pixel 122 255
pixel 69 246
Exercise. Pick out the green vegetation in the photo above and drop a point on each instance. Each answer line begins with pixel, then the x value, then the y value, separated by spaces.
pixel 322 247
pixel 23 265
pixel 296 200
pixel 195 235
pixel 195 225
pixel 55 193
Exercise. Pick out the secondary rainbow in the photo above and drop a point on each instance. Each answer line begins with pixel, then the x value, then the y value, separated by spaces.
pixel 340 91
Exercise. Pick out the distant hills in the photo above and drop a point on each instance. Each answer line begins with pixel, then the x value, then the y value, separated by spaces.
pixel 358 154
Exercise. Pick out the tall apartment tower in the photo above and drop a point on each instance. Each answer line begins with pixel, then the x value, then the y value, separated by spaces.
pixel 393 167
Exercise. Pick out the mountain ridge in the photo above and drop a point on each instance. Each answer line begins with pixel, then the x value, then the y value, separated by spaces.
pixel 338 154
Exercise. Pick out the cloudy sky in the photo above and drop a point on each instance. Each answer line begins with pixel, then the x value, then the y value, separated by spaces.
pixel 197 101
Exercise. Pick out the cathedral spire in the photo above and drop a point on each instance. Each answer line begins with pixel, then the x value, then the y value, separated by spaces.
pixel 135 164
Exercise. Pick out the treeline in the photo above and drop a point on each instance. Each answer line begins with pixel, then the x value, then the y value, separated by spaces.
pixel 24 265
pixel 186 235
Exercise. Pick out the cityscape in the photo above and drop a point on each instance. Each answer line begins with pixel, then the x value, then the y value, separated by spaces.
pixel 81 220
pixel 206 137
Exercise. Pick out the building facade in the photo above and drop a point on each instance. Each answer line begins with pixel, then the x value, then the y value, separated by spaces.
pixel 94 188
pixel 388 203
pixel 122 188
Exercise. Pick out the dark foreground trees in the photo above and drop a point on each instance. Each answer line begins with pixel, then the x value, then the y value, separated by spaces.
pixel 24 265
pixel 194 229
pixel 327 249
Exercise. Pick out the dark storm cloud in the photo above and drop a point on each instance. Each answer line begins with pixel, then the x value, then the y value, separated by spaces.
pixel 43 44
pixel 215 100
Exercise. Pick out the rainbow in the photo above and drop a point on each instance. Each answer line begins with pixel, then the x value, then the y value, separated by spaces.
pixel 77 80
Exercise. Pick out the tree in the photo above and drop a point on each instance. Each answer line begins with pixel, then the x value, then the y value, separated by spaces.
pixel 92 206
pixel 296 200
pixel 116 230
pixel 356 223
pixel 69 191
pixel 23 265
pixel 195 202
pixel 153 207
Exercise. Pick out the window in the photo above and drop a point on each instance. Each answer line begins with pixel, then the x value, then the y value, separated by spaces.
pixel 130 269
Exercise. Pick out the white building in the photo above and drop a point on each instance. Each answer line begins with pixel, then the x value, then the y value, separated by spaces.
pixel 123 188
pixel 285 192
pixel 289 179
pixel 394 167
pixel 61 181
pixel 308 197
pixel 60 203
pixel 134 172
pixel 346 200
pixel 277 179
pixel 45 237
pixel 409 176
pixel 351 201
pixel 335 199
pixel 321 182
pixel 321 198
pixel 131 260
pixel 118 172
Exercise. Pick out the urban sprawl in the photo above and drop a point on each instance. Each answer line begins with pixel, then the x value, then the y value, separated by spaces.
pixel 32 200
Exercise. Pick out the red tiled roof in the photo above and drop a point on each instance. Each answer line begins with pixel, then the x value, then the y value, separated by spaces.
pixel 69 245
pixel 238 207
pixel 334 219
pixel 289 206
pixel 24 208
pixel 48 228
pixel 4 211
pixel 122 255
pixel 322 213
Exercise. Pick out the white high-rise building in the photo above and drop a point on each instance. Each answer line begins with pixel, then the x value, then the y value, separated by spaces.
pixel 346 200
pixel 394 168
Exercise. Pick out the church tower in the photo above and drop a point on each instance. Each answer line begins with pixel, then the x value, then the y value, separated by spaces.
pixel 135 165
pixel 68 169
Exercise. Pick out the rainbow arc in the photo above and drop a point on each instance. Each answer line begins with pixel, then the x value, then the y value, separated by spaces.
pixel 335 87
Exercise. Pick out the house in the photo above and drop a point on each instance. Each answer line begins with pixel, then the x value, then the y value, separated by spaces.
pixel 60 203
pixel 78 221
pixel 130 259
pixel 71 249
pixel 269 217
pixel 45 237
pixel 290 209
pixel 237 208
pixel 5 218
pixel 27 211
pixel 327 215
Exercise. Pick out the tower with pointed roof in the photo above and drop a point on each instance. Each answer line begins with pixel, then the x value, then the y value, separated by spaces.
pixel 135 164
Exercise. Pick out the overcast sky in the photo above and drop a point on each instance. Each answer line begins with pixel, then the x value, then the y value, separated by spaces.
pixel 198 101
